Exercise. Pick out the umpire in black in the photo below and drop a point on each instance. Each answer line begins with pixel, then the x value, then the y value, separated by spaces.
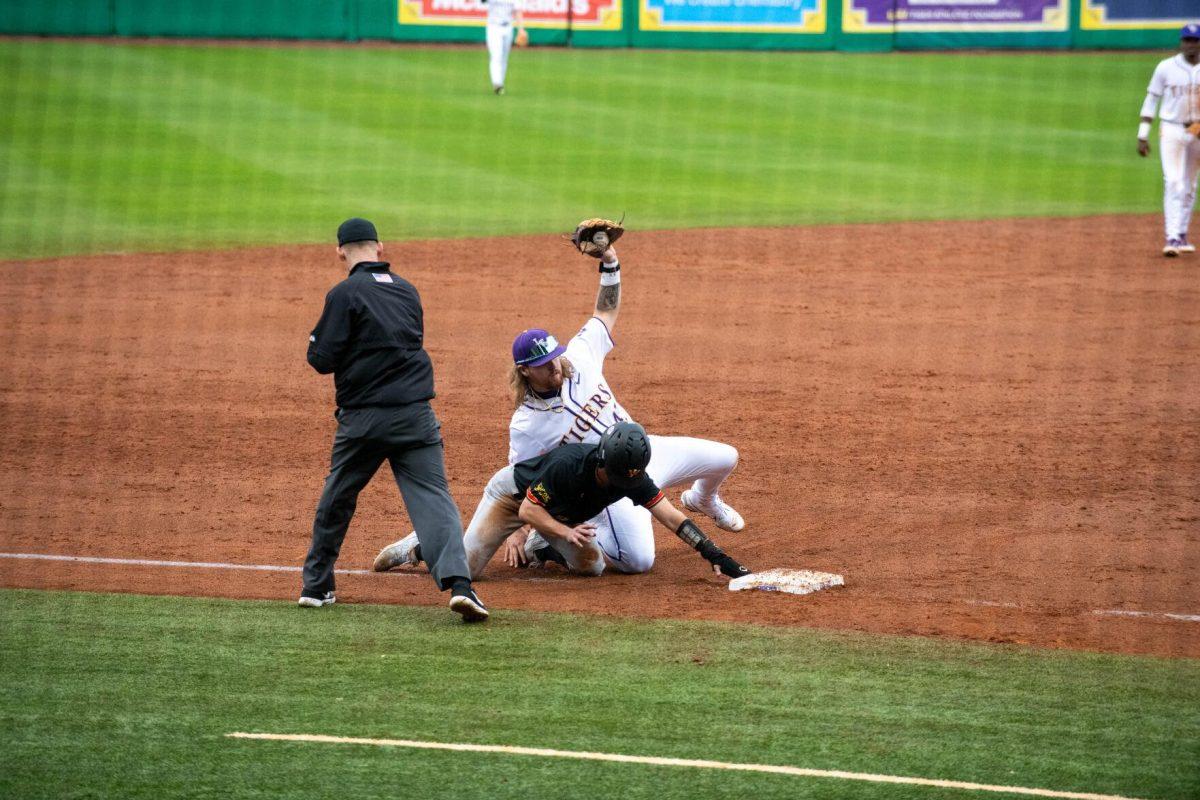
pixel 370 336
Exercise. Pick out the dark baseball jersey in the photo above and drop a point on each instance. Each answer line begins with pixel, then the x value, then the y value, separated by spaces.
pixel 563 481
pixel 371 337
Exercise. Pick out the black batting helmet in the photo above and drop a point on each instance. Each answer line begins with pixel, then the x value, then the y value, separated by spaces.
pixel 624 453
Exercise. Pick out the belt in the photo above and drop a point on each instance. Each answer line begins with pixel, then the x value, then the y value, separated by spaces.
pixel 1184 124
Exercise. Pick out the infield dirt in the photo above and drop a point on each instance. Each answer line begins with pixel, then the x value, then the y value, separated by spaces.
pixel 990 428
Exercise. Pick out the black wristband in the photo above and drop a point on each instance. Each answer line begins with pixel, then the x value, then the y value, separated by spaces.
pixel 691 535
pixel 607 269
pixel 729 567
pixel 709 551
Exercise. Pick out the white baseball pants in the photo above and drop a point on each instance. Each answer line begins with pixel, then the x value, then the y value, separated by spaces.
pixel 625 532
pixel 499 45
pixel 1180 153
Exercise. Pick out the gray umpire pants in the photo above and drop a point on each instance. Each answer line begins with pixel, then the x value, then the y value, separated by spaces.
pixel 409 438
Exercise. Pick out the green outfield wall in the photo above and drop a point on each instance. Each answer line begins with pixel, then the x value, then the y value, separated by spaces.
pixel 863 25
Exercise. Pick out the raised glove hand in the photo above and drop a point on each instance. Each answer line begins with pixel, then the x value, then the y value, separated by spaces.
pixel 593 236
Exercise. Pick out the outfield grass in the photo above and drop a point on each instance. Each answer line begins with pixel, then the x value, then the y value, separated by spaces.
pixel 118 695
pixel 127 147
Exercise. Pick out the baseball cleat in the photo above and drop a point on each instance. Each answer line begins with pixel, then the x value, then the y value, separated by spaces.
pixel 1185 246
pixel 311 601
pixel 1172 248
pixel 406 552
pixel 466 603
pixel 538 552
pixel 722 513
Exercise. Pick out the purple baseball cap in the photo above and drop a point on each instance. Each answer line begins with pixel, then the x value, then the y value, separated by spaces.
pixel 535 347
pixel 1190 31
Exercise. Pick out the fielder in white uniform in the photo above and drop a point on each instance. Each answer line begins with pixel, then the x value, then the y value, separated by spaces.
pixel 502 16
pixel 561 397
pixel 1176 86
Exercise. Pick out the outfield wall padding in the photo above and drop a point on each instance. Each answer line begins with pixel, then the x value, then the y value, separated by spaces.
pixel 58 17
pixel 850 25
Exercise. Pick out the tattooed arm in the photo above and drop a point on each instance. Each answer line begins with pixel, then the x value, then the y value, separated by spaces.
pixel 608 299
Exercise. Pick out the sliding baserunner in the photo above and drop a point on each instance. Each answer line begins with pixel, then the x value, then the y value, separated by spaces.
pixel 561 396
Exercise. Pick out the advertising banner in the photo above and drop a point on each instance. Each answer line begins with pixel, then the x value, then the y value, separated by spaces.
pixel 592 15
pixel 1119 15
pixel 955 16
pixel 733 16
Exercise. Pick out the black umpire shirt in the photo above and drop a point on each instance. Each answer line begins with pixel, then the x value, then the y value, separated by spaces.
pixel 563 481
pixel 371 336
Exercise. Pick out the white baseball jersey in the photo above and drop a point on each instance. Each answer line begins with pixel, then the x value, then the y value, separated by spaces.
pixel 584 408
pixel 1177 83
pixel 502 12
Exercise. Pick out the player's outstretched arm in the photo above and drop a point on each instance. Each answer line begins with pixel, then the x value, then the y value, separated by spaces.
pixel 608 299
pixel 691 534
pixel 667 514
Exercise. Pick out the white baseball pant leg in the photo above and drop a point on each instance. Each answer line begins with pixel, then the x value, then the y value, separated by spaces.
pixel 625 532
pixel 496 518
pixel 499 44
pixel 1180 152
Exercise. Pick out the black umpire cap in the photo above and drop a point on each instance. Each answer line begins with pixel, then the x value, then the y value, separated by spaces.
pixel 356 229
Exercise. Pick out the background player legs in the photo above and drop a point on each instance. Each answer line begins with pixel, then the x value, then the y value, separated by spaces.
pixel 499 44
pixel 354 461
pixel 1191 167
pixel 1174 152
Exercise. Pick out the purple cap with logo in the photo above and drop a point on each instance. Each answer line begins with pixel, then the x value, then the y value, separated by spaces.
pixel 1191 31
pixel 535 347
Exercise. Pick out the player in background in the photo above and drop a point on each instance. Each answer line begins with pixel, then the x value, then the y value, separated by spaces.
pixel 562 397
pixel 501 16
pixel 1176 85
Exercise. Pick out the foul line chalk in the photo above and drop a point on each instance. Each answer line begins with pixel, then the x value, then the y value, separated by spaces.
pixel 1100 612
pixel 145 562
pixel 678 762
pixel 1119 612
pixel 142 562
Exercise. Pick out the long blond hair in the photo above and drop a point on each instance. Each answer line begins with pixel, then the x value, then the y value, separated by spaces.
pixel 519 386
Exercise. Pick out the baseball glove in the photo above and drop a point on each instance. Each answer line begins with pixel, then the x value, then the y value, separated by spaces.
pixel 1194 129
pixel 593 236
pixel 522 38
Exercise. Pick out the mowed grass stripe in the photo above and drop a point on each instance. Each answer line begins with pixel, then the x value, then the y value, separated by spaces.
pixel 131 696
pixel 152 160
pixel 190 146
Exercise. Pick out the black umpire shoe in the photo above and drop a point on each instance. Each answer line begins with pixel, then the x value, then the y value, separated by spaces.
pixel 312 600
pixel 464 601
